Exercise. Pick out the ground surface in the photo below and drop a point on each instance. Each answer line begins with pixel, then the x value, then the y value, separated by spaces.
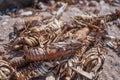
pixel 111 68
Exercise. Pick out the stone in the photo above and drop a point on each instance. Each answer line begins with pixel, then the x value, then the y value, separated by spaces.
pixel 26 13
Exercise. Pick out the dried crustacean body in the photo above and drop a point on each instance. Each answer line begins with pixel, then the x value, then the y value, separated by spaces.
pixel 36 69
pixel 96 20
pixel 18 62
pixel 39 35
pixel 81 34
pixel 23 24
pixel 95 57
pixel 84 18
pixel 63 70
pixel 28 40
pixel 53 51
pixel 6 71
pixel 76 33
pixel 29 19
pixel 92 62
pixel 49 32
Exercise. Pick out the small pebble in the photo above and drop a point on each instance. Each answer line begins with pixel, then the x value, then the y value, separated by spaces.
pixel 1 39
pixel 4 23
pixel 27 13
pixel 93 3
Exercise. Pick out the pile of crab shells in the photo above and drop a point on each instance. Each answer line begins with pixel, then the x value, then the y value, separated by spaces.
pixel 53 49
